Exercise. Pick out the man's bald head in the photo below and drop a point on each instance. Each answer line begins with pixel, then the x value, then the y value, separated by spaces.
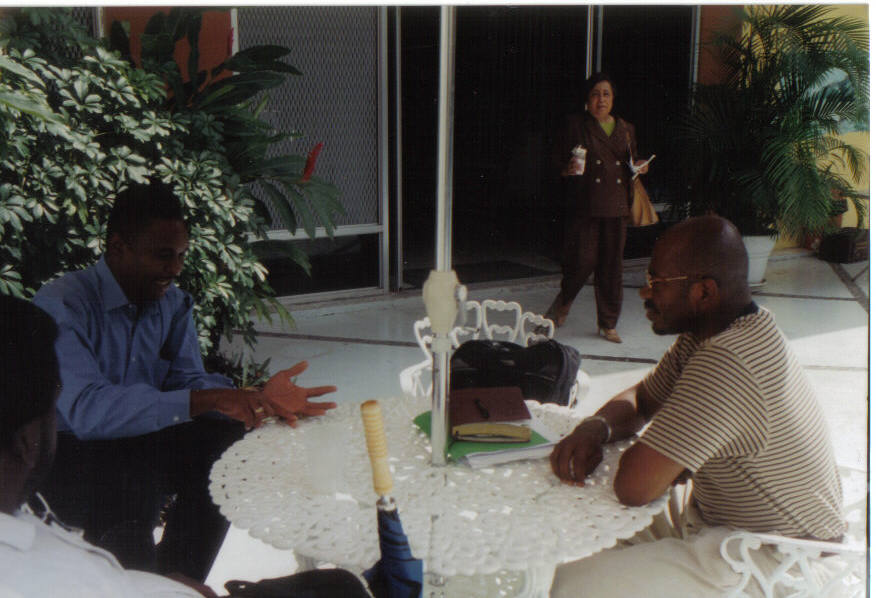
pixel 698 278
pixel 709 247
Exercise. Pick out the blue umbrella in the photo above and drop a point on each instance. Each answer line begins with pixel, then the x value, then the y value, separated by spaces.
pixel 397 574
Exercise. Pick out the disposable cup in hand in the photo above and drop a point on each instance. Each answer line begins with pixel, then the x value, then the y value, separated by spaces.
pixel 579 160
pixel 326 451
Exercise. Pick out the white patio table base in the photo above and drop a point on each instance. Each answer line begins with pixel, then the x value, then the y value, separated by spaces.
pixel 462 522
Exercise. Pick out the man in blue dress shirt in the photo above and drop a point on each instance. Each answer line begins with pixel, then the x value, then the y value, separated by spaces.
pixel 140 421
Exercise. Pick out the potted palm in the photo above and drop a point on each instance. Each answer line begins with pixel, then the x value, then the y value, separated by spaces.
pixel 763 148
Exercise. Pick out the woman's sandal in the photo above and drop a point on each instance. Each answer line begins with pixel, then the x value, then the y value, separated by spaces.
pixel 610 334
pixel 558 311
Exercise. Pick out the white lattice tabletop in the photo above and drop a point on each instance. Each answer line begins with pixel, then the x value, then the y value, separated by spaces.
pixel 460 521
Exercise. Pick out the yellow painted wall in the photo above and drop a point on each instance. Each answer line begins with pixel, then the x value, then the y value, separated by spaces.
pixel 860 140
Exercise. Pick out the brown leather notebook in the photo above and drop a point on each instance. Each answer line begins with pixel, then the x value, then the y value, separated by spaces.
pixel 489 414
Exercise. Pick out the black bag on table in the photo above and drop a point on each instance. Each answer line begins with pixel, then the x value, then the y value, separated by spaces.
pixel 544 371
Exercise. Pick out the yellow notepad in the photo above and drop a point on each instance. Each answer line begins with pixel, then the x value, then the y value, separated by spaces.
pixel 491 432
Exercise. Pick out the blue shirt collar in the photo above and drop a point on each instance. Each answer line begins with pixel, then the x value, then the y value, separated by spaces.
pixel 111 294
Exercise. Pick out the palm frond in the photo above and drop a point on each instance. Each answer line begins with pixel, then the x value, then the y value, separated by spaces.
pixel 763 147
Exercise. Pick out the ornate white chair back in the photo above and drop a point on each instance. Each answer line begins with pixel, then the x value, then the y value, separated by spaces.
pixel 808 567
pixel 535 328
pixel 471 324
pixel 470 327
pixel 501 320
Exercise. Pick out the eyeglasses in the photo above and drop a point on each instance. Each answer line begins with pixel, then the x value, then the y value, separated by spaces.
pixel 651 280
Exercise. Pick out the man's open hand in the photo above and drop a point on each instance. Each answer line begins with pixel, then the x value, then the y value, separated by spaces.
pixel 280 397
pixel 285 399
pixel 578 454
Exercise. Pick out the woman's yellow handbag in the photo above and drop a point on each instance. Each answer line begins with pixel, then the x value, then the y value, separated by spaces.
pixel 642 213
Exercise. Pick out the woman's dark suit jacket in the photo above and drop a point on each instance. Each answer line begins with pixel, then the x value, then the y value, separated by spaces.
pixel 605 188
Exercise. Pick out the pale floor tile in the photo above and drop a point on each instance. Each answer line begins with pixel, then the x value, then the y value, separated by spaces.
pixel 803 276
pixel 359 371
pixel 859 272
pixel 246 558
pixel 843 398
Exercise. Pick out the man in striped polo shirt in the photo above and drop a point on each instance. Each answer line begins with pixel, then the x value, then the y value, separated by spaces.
pixel 727 406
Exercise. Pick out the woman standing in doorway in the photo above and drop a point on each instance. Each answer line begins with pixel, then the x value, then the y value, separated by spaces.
pixel 598 190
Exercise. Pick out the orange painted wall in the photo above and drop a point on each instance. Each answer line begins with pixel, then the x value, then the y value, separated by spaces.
pixel 714 18
pixel 214 42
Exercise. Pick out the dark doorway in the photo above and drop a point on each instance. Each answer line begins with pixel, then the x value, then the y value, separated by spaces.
pixel 419 106
pixel 519 70
pixel 646 50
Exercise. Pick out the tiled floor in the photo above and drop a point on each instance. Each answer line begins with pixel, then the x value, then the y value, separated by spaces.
pixel 360 346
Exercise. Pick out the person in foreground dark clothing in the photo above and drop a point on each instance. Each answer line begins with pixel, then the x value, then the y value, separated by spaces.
pixel 40 556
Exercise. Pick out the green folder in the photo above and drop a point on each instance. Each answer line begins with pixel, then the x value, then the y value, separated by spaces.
pixel 460 448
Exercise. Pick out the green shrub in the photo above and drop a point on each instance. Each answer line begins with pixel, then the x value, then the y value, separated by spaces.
pixel 80 123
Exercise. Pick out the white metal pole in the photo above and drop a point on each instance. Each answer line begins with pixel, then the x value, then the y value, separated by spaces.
pixel 588 65
pixel 399 204
pixel 383 124
pixel 442 292
pixel 695 26
pixel 444 195
pixel 600 17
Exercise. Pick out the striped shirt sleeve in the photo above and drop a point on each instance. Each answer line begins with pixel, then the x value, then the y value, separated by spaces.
pixel 715 411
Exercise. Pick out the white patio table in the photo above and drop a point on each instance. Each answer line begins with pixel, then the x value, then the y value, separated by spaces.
pixel 475 529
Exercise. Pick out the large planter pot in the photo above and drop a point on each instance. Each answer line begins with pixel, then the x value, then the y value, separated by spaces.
pixel 759 249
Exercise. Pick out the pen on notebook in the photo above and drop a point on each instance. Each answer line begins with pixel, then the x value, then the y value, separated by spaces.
pixel 485 413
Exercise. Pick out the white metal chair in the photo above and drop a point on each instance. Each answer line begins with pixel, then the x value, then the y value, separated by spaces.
pixel 490 319
pixel 808 568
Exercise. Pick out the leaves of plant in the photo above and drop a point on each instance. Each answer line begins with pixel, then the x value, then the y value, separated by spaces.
pixel 61 165
pixel 273 248
pixel 242 87
pixel 281 205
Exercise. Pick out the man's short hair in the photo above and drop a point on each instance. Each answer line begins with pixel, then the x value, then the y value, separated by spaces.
pixel 138 205
pixel 29 375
